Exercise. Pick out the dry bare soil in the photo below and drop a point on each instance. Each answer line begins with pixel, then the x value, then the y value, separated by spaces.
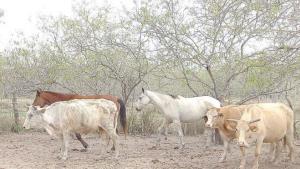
pixel 37 150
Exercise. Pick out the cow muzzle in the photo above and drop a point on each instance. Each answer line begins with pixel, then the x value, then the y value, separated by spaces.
pixel 243 144
pixel 26 126
pixel 208 125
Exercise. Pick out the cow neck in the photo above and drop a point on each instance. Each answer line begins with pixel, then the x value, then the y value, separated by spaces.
pixel 225 129
pixel 44 122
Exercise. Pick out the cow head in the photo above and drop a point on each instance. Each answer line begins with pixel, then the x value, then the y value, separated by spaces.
pixel 33 117
pixel 142 101
pixel 244 131
pixel 213 117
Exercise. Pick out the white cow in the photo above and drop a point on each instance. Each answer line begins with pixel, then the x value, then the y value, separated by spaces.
pixel 265 123
pixel 75 116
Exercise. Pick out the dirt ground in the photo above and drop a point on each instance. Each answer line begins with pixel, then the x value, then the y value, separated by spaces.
pixel 35 150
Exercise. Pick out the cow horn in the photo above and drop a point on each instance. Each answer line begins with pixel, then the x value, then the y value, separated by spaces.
pixel 230 128
pixel 234 120
pixel 36 107
pixel 253 121
pixel 220 114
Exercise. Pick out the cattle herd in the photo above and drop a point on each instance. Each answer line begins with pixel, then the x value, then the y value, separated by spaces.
pixel 252 124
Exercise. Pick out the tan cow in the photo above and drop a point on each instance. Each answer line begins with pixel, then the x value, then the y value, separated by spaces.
pixel 217 118
pixel 265 123
pixel 75 116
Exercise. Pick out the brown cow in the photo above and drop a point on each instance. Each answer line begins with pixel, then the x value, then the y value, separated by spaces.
pixel 217 118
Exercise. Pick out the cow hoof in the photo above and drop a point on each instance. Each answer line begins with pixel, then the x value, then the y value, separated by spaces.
pixel 166 138
pixel 242 167
pixel 113 148
pixel 153 148
pixel 221 160
pixel 117 155
pixel 62 157
pixel 179 147
pixel 85 145
pixel 84 150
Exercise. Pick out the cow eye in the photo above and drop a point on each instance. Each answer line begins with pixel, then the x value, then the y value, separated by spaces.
pixel 30 115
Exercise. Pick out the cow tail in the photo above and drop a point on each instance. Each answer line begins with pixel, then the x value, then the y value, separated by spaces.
pixel 284 143
pixel 122 115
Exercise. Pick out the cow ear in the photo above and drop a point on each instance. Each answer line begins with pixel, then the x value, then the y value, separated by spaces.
pixel 205 118
pixel 253 121
pixel 143 90
pixel 41 110
pixel 35 107
pixel 38 92
pixel 253 128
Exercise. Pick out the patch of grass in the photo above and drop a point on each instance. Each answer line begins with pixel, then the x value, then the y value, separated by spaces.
pixel 7 122
pixel 145 123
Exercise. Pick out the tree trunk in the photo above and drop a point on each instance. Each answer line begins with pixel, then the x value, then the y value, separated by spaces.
pixel 15 127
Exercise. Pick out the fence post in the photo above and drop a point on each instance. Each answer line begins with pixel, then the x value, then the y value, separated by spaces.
pixel 15 127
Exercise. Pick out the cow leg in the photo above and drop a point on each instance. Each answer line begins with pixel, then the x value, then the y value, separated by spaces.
pixel 66 137
pixel 108 141
pixel 101 131
pixel 209 133
pixel 272 151
pixel 180 134
pixel 62 147
pixel 113 135
pixel 225 151
pixel 165 133
pixel 277 152
pixel 257 152
pixel 84 144
pixel 113 148
pixel 162 130
pixel 243 160
pixel 290 144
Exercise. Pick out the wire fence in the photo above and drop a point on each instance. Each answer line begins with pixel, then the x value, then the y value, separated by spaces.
pixel 145 123
pixel 12 111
